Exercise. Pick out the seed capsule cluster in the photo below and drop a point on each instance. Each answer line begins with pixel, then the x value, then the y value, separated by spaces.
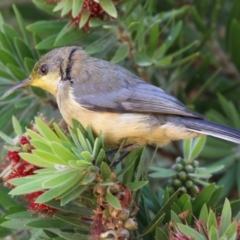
pixel 182 181
pixel 116 222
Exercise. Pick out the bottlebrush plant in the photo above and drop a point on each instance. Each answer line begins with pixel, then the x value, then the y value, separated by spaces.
pixel 85 13
pixel 51 166
pixel 69 186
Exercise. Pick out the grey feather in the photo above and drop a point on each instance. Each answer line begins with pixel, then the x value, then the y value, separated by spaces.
pixel 212 129
pixel 115 89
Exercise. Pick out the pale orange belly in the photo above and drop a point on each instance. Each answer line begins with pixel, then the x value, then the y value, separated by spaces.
pixel 135 127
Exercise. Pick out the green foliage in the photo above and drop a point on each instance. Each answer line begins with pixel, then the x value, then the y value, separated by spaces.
pixel 190 50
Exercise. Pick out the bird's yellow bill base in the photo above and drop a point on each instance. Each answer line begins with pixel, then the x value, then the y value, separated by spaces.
pixel 19 85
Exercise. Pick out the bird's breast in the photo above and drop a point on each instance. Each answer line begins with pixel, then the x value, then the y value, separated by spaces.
pixel 138 128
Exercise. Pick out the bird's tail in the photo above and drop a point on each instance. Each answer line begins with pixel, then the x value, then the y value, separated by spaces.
pixel 213 129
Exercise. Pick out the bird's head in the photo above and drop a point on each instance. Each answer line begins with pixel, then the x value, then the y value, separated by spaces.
pixel 49 71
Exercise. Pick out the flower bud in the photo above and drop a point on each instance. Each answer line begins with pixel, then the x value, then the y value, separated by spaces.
pixel 130 224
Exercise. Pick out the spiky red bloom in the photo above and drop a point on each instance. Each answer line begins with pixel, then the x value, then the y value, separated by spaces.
pixel 23 140
pixel 13 157
pixel 91 6
pixel 38 207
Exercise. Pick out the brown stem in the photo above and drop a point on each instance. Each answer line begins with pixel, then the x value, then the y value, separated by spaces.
pixel 125 38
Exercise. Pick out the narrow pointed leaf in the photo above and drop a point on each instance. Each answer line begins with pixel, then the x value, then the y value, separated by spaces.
pixel 59 180
pixel 113 201
pixel 35 160
pixel 105 171
pixel 56 192
pixel 109 7
pixel 61 152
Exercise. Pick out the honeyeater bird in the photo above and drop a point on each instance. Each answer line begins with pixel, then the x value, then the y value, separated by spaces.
pixel 114 101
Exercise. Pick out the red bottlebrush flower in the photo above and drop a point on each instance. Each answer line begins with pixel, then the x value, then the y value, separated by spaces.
pixel 23 140
pixel 16 170
pixel 92 7
pixel 38 207
pixel 13 156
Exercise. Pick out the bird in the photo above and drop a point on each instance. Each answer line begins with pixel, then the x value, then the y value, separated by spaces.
pixel 112 100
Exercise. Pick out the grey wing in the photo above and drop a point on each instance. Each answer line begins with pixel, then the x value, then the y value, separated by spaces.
pixel 141 98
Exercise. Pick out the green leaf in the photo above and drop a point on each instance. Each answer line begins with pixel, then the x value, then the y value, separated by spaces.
pixel 22 49
pixel 213 233
pixel 47 27
pixel 60 179
pixel 29 63
pixel 74 194
pixel 5 43
pixel 59 6
pixel 66 8
pixel 101 156
pixel 47 43
pixel 6 138
pixel 160 234
pixel 62 153
pixel 16 224
pixel 76 7
pixel 17 127
pixel 68 35
pixel 212 221
pixel 142 59
pixel 113 201
pixel 136 185
pixel 46 131
pixel 22 215
pixel 121 53
pixel 87 156
pixel 231 232
pixel 56 192
pixel 35 160
pixel 197 146
pixel 45 7
pixel 21 24
pixel 84 18
pixel 175 218
pixel 153 225
pixel 203 197
pixel 169 41
pixel 60 133
pixel 108 7
pixel 48 223
pixel 190 232
pixel 105 171
pixel 95 22
pixel 74 222
pixel 48 157
pixel 6 201
pixel 226 217
pixel 35 135
pixel 161 214
pixel 73 236
pixel 187 148
pixel 40 145
pixel 234 35
pixel 215 197
pixel 164 62
pixel 88 178
pixel 161 172
pixel 210 169
pixel 32 186
pixel 7 58
pixel 16 71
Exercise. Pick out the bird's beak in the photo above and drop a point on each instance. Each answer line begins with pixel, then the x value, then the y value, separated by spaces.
pixel 22 84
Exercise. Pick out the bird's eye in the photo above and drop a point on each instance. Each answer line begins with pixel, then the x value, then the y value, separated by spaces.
pixel 44 69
